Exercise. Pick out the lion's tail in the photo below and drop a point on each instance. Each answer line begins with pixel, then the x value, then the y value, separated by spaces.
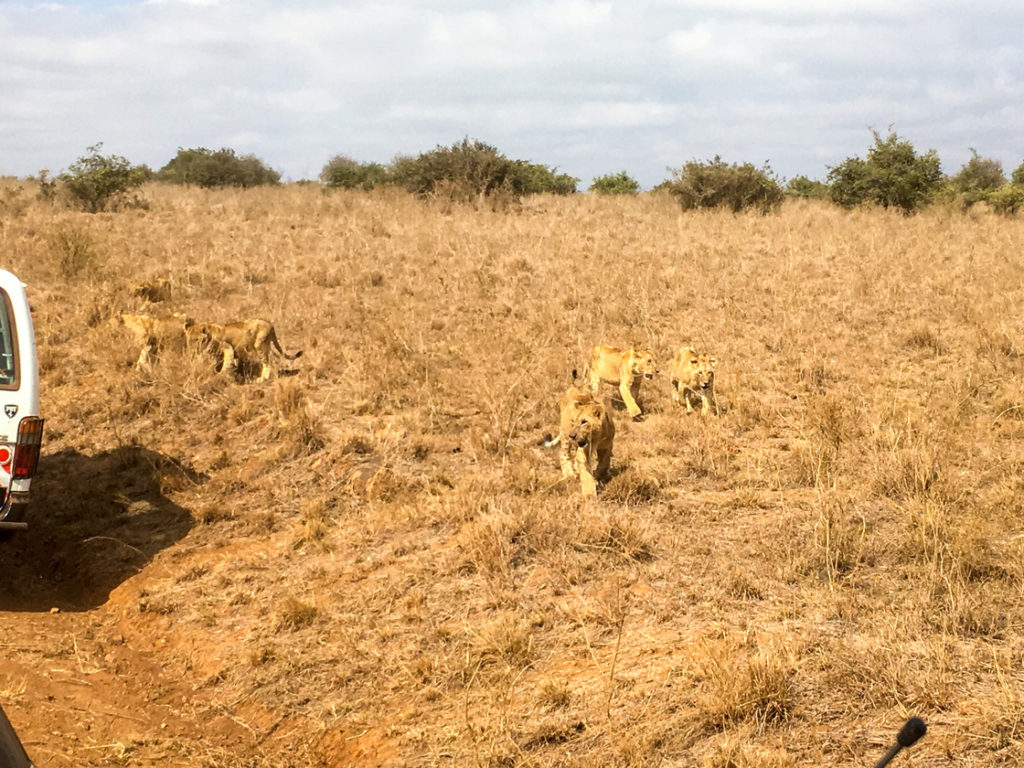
pixel 277 345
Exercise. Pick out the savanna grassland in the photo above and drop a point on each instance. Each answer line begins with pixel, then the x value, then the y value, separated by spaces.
pixel 371 560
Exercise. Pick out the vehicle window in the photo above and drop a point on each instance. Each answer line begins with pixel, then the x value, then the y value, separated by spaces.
pixel 8 374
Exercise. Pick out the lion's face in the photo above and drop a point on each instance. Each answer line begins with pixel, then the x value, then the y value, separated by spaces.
pixel 199 333
pixel 703 371
pixel 642 363
pixel 697 371
pixel 588 421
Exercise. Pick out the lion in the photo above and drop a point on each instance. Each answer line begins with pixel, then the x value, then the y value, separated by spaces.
pixel 623 367
pixel 154 333
pixel 249 341
pixel 693 378
pixel 154 290
pixel 586 430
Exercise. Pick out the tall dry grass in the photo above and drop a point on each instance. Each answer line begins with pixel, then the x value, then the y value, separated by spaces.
pixel 384 565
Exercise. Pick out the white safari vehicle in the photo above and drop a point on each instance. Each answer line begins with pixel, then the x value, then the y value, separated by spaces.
pixel 21 429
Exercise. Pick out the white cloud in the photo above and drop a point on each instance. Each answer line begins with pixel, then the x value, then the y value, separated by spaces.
pixel 585 85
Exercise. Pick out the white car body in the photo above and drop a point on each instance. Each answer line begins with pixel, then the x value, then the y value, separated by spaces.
pixel 20 425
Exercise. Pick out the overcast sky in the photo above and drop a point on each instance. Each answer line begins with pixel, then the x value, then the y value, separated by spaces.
pixel 589 87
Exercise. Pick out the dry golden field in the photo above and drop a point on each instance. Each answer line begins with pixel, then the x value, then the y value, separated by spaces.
pixel 373 562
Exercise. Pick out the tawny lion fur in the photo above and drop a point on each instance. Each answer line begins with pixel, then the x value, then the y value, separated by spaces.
pixel 251 341
pixel 624 368
pixel 154 333
pixel 693 379
pixel 586 432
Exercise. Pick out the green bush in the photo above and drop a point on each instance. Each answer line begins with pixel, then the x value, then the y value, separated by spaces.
pixel 222 168
pixel 1017 177
pixel 801 186
pixel 534 178
pixel 615 184
pixel 893 175
pixel 1007 199
pixel 978 177
pixel 96 182
pixel 469 170
pixel 475 168
pixel 717 184
pixel 344 172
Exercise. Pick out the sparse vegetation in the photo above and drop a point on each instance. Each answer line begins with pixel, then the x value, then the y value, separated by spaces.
pixel 374 560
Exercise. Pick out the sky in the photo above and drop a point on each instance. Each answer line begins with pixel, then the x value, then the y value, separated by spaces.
pixel 589 88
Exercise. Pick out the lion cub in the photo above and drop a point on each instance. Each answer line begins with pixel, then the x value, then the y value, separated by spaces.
pixel 154 290
pixel 586 431
pixel 693 378
pixel 251 341
pixel 625 368
pixel 154 333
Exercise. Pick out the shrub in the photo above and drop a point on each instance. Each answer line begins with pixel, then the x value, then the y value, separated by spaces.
pixel 222 168
pixel 615 184
pixel 475 168
pixel 1017 177
pixel 801 186
pixel 1007 199
pixel 978 177
pixel 47 186
pixel 534 178
pixel 96 182
pixel 342 171
pixel 718 184
pixel 893 175
pixel 74 251
pixel 472 169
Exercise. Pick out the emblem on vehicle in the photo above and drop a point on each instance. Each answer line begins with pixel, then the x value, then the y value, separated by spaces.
pixel 10 410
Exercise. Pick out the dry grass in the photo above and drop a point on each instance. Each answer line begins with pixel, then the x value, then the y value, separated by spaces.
pixel 373 562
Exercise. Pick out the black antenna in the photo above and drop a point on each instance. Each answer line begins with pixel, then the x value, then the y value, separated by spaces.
pixel 911 731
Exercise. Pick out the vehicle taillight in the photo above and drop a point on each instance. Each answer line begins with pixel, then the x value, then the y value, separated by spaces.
pixel 26 450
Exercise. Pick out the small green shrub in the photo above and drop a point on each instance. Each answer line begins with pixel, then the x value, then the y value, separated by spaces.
pixel 344 172
pixel 469 170
pixel 892 176
pixel 222 168
pixel 978 177
pixel 1017 177
pixel 472 168
pixel 1007 199
pixel 615 184
pixel 96 182
pixel 716 184
pixel 534 178
pixel 801 186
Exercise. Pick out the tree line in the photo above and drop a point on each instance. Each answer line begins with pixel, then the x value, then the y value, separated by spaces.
pixel 891 175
